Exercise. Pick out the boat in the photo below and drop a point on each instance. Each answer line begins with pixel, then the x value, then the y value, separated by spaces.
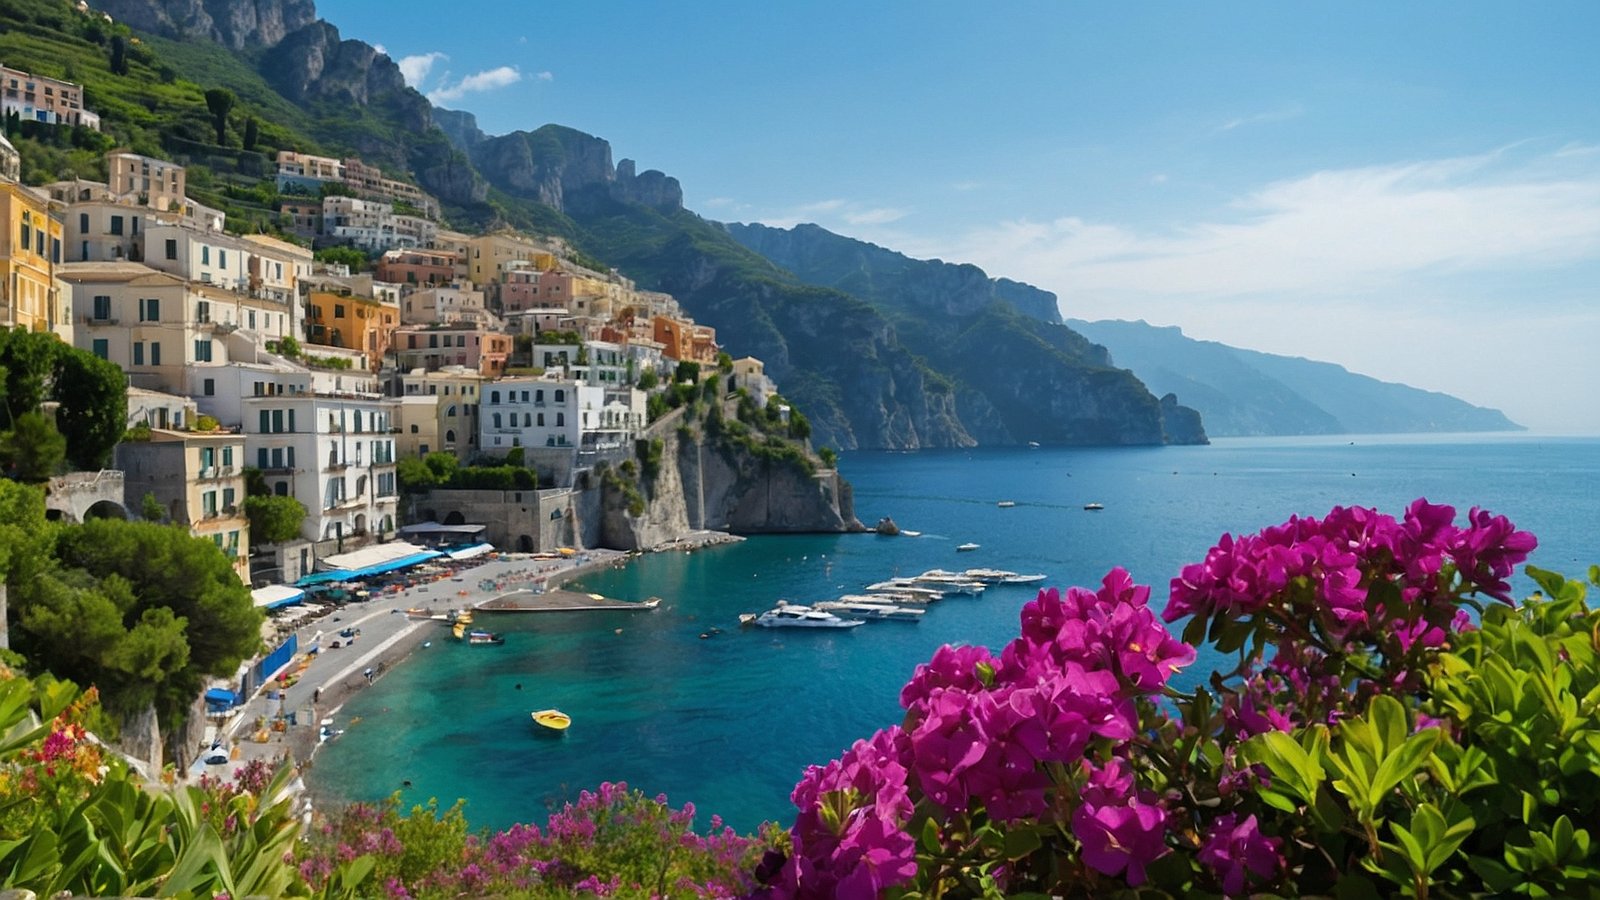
pixel 866 610
pixel 1033 445
pixel 950 582
pixel 484 637
pixel 996 576
pixel 791 615
pixel 1093 506
pixel 963 548
pixel 1006 504
pixel 905 586
pixel 551 719
pixel 908 533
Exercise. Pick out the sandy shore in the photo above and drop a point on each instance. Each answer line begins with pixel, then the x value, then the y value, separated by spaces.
pixel 386 637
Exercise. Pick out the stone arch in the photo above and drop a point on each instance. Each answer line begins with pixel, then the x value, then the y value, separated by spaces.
pixel 54 515
pixel 361 523
pixel 455 518
pixel 105 509
pixel 525 543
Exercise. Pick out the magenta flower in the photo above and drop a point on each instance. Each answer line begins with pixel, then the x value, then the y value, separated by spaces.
pixel 1236 850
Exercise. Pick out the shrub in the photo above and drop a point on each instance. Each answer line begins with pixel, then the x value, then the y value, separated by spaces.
pixel 1369 739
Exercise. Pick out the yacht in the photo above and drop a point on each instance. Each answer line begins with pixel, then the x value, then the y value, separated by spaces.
pixel 1002 576
pixel 790 615
pixel 866 610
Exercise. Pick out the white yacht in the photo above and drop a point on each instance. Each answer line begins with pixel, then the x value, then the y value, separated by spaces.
pixel 1001 576
pixel 866 610
pixel 790 615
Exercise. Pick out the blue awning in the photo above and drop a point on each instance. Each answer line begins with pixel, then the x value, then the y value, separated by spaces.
pixel 219 695
pixel 275 595
pixel 323 577
pixel 393 564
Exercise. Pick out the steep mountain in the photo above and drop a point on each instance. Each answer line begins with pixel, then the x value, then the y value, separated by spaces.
pixel 1245 392
pixel 1019 374
pixel 867 374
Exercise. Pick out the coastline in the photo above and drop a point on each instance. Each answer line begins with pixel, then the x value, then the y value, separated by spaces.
pixel 328 678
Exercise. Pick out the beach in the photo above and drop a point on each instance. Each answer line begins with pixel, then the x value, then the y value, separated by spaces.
pixel 328 668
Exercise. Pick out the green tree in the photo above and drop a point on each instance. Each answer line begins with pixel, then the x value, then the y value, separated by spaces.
pixel 94 406
pixel 687 372
pixel 255 483
pixel 219 101
pixel 289 347
pixel 33 449
pixel 799 425
pixel 648 379
pixel 151 508
pixel 252 133
pixel 725 362
pixel 415 475
pixel 343 257
pixel 830 457
pixel 274 519
pixel 444 465
pixel 119 55
pixel 29 359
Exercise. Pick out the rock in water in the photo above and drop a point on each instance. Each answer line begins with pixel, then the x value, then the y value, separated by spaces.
pixel 887 526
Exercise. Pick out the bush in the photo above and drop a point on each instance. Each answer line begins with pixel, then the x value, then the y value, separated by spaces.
pixel 1369 739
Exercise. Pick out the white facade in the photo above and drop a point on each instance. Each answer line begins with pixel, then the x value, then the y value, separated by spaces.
pixel 443 304
pixel 529 412
pixel 215 258
pixel 333 453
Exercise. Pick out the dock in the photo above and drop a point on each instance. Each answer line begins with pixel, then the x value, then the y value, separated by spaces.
pixel 559 601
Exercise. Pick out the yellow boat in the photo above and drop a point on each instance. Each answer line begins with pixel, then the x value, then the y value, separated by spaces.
pixel 459 630
pixel 552 719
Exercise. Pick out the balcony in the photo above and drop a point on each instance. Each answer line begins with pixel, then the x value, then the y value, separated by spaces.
pixel 336 465
pixel 91 320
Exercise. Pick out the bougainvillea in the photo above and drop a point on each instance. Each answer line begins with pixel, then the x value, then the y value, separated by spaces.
pixel 1353 743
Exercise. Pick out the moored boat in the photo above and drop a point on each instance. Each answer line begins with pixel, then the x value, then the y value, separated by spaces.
pixel 963 548
pixel 1094 506
pixel 553 720
pixel 867 610
pixel 478 636
pixel 1006 504
pixel 790 615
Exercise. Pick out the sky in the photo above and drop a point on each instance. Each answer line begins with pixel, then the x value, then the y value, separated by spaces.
pixel 1411 190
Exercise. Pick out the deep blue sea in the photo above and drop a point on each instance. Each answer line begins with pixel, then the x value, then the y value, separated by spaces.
pixel 731 721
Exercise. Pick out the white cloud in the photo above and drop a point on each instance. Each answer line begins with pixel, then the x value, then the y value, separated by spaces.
pixel 1333 231
pixel 487 80
pixel 1471 275
pixel 879 216
pixel 1262 118
pixel 546 76
pixel 416 68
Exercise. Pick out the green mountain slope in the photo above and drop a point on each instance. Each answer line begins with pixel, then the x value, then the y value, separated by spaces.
pixel 867 374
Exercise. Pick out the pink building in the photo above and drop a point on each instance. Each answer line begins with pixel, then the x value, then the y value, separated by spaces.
pixel 432 348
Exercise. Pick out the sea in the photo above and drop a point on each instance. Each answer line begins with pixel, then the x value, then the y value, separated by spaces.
pixel 681 701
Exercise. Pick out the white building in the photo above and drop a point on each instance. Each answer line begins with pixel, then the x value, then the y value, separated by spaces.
pixel 530 412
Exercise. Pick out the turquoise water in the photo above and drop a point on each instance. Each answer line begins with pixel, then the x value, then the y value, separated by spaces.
pixel 731 721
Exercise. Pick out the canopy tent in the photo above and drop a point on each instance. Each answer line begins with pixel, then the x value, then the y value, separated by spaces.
pixel 222 697
pixel 434 529
pixel 275 595
pixel 373 560
pixel 475 550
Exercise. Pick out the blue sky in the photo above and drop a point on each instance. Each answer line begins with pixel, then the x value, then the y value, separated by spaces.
pixel 1411 190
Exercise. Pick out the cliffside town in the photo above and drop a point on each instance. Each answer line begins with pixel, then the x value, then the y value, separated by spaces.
pixel 247 355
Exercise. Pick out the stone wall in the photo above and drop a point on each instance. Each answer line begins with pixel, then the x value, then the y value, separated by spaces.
pixel 518 521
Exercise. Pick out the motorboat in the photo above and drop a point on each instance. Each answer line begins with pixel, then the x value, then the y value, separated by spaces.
pixel 903 588
pixel 553 720
pixel 1002 576
pixel 1094 506
pixel 478 636
pixel 906 533
pixel 791 615
pixel 1006 504
pixel 867 610
pixel 963 548
pixel 949 582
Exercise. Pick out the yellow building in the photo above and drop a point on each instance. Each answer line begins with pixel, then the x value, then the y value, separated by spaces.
pixel 342 319
pixel 198 478
pixel 490 255
pixel 30 251
pixel 439 411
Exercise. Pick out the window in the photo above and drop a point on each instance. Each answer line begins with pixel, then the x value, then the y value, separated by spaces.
pixel 541 420
pixel 561 396
pixel 282 490
pixel 261 457
pixel 252 314
pixel 414 431
pixel 202 350
pixel 155 353
pixel 102 307
pixel 135 224
pixel 538 396
pixel 208 387
pixel 277 421
pixel 450 436
pixel 116 224
pixel 208 457
pixel 222 258
pixel 202 311
pixel 227 498
pixel 149 309
pixel 83 223
pixel 266 422
pixel 338 310
pixel 208 502
pixel 138 353
pixel 205 255
pixel 527 420
pixel 561 419
pixel 494 396
pixel 172 248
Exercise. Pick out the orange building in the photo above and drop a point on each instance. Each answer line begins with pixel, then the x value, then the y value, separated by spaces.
pixel 417 266
pixel 685 341
pixel 347 320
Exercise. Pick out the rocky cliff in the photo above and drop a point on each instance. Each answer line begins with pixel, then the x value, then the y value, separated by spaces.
pixel 236 24
pixel 707 483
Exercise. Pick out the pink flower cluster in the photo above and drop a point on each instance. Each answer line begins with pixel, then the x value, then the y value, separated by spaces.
pixel 1348 604
pixel 981 733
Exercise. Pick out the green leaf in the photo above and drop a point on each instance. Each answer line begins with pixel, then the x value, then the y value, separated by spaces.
pixel 1403 763
pixel 930 837
pixel 1020 842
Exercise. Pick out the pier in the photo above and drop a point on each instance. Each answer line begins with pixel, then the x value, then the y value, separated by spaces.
pixel 559 601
